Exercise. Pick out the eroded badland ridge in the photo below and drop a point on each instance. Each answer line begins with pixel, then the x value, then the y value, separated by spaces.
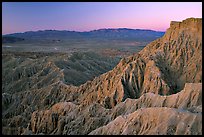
pixel 156 91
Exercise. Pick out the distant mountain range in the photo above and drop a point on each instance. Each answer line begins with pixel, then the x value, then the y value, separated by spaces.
pixel 112 34
pixel 11 39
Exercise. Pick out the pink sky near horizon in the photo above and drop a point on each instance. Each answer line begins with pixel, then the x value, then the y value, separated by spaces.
pixel 86 16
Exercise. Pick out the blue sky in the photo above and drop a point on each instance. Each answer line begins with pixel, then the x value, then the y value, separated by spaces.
pixel 85 16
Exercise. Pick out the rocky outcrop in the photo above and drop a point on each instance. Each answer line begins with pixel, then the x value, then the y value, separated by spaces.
pixel 178 53
pixel 59 120
pixel 190 98
pixel 154 121
pixel 151 114
pixel 68 118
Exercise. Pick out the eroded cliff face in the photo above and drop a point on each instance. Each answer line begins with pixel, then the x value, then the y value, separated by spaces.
pixel 162 67
pixel 144 80
pixel 178 53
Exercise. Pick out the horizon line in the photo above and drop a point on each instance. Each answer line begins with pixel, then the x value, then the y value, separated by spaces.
pixel 82 31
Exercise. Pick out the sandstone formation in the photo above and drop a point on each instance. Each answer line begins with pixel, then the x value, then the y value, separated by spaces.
pixel 154 121
pixel 150 114
pixel 156 91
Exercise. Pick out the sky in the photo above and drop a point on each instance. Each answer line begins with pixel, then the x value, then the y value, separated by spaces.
pixel 86 16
